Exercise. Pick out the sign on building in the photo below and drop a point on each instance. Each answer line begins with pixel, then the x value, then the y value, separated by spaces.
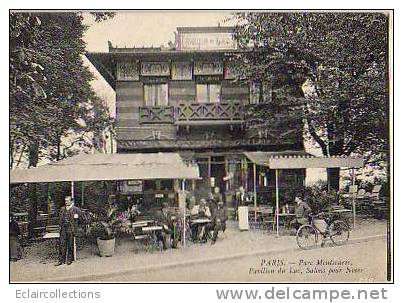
pixel 206 41
pixel 155 69
pixel 208 68
pixel 182 71
pixel 128 71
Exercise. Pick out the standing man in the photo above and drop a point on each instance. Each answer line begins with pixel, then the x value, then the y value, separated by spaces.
pixel 240 200
pixel 214 199
pixel 68 220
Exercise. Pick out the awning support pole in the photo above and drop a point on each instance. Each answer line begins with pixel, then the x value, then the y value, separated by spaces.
pixel 254 191
pixel 72 190
pixel 246 175
pixel 277 203
pixel 353 176
pixel 74 238
pixel 82 193
pixel 184 216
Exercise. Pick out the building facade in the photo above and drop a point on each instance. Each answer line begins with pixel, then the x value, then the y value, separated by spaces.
pixel 186 98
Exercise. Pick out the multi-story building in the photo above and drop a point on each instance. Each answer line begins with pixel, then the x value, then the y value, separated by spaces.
pixel 184 98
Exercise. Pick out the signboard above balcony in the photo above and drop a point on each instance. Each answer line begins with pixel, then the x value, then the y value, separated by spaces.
pixel 206 41
pixel 128 71
pixel 155 69
pixel 182 71
pixel 208 68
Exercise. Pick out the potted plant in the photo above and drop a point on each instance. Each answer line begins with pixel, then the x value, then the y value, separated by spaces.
pixel 103 229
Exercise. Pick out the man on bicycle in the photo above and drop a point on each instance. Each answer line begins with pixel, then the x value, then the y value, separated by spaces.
pixel 302 211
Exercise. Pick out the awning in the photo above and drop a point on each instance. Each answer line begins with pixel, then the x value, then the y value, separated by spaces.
pixel 97 167
pixel 301 159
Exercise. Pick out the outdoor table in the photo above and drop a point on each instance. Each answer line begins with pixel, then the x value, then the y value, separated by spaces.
pixel 200 221
pixel 151 228
pixel 338 211
pixel 141 223
pixel 51 236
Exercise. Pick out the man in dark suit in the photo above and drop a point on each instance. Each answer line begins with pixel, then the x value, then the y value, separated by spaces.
pixel 218 221
pixel 302 211
pixel 240 200
pixel 68 220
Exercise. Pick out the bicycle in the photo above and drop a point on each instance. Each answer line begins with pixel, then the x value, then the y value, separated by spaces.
pixel 308 234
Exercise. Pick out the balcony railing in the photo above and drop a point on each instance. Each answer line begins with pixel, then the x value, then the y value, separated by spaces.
pixel 156 114
pixel 231 112
pixel 224 112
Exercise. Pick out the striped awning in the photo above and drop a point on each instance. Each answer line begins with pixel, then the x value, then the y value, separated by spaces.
pixel 301 159
pixel 99 167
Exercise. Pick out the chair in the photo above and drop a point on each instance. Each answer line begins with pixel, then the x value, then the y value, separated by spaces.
pixel 267 218
pixel 375 192
pixel 361 194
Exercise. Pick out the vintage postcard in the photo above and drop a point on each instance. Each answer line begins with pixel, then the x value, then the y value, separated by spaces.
pixel 200 146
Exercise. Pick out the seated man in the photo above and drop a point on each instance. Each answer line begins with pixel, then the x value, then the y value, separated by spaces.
pixel 163 219
pixel 302 210
pixel 218 221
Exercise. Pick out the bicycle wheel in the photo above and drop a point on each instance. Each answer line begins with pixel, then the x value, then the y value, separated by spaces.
pixel 339 232
pixel 307 237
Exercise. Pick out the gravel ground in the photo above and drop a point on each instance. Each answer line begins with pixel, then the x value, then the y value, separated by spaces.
pixel 39 259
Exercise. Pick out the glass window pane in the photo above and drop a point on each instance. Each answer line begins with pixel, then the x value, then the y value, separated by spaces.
pixel 215 91
pixel 149 95
pixel 254 93
pixel 156 94
pixel 202 93
pixel 162 98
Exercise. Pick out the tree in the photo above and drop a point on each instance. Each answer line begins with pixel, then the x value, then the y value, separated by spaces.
pixel 338 62
pixel 50 93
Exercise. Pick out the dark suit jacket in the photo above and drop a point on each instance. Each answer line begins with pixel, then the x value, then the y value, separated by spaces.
pixel 240 200
pixel 74 214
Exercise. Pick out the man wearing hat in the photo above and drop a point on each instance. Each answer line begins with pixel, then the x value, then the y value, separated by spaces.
pixel 219 220
pixel 302 210
pixel 68 220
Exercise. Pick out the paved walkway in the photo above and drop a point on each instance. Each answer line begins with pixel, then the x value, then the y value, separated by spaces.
pixel 38 265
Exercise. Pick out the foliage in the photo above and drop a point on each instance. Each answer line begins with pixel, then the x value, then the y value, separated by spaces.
pixel 103 213
pixel 318 198
pixel 50 93
pixel 338 61
pixel 104 223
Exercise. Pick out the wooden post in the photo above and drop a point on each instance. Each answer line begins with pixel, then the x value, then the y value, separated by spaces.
pixel 49 203
pixel 74 238
pixel 254 191
pixel 184 217
pixel 353 176
pixel 72 190
pixel 246 175
pixel 82 193
pixel 277 202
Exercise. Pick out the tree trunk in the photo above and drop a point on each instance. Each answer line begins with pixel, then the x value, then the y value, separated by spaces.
pixel 333 178
pixel 33 199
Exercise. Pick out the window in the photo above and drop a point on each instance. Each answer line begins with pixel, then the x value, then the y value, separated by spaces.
pixel 156 94
pixel 208 93
pixel 260 93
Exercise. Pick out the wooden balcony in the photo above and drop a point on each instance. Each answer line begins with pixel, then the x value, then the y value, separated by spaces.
pixel 209 113
pixel 156 115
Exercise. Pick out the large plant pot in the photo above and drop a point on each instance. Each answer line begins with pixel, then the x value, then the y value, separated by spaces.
pixel 106 247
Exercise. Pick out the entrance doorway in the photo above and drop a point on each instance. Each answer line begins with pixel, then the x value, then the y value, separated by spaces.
pixel 210 167
pixel 217 171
